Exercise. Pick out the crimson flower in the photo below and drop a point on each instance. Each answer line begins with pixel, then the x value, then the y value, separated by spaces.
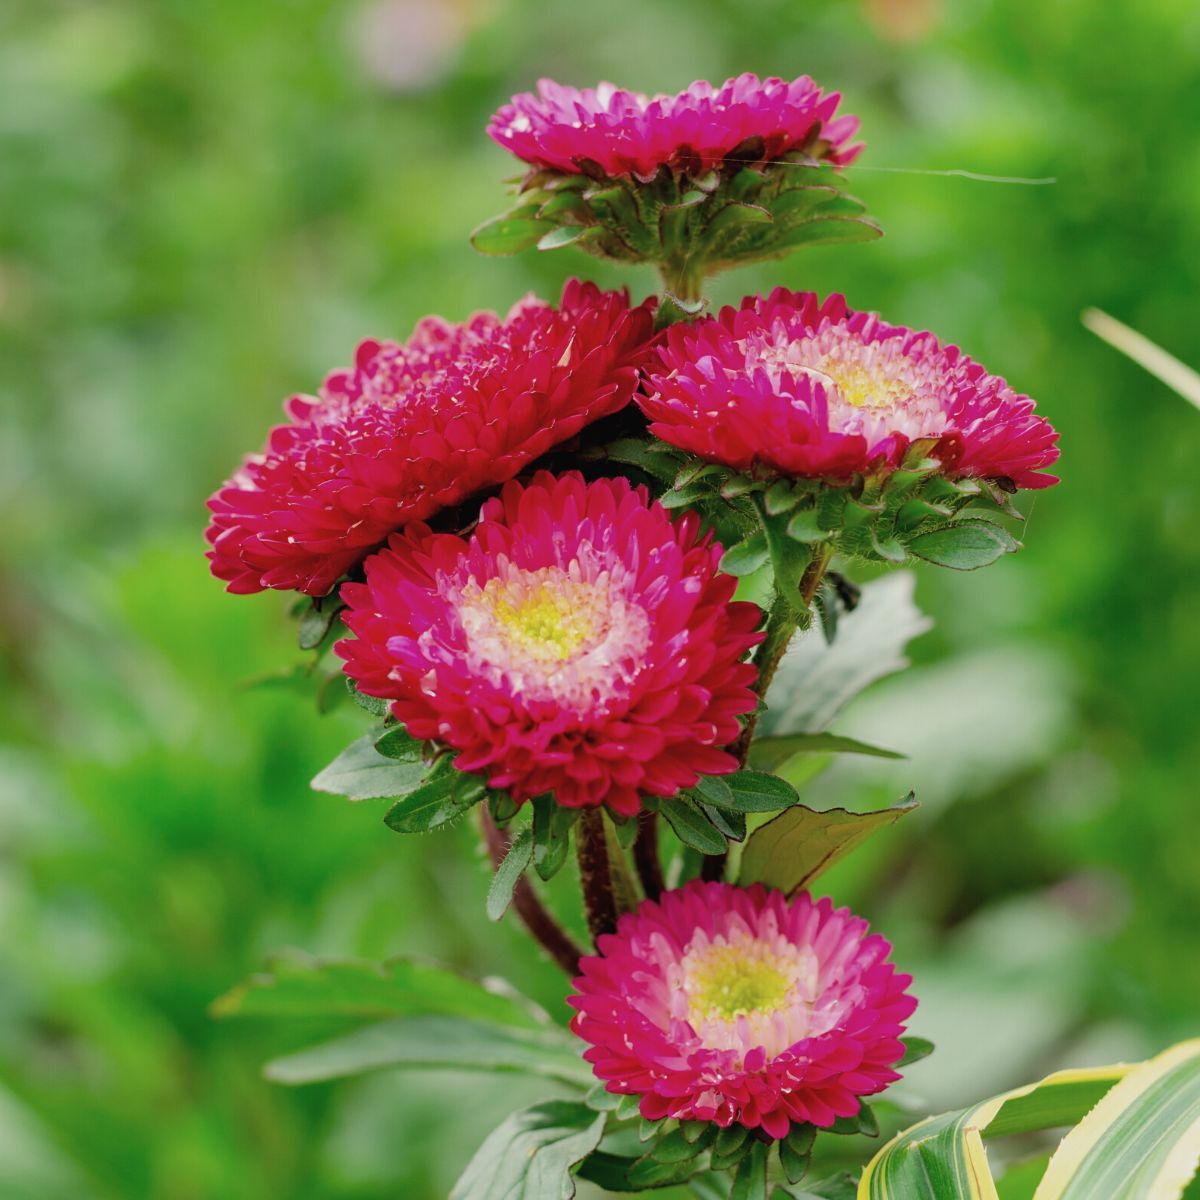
pixel 417 427
pixel 578 642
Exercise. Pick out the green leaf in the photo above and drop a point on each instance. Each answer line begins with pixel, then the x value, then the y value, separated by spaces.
pixel 438 800
pixel 792 849
pixel 915 1049
pixel 750 1180
pixel 756 792
pixel 795 1164
pixel 373 704
pixel 564 235
pixel 816 680
pixel 360 772
pixel 296 985
pixel 747 556
pixel 529 1156
pixel 508 874
pixel 731 824
pixel 436 1042
pixel 965 546
pixel 509 235
pixel 768 753
pixel 552 825
pixel 691 826
pixel 317 622
pixel 943 1158
pixel 396 744
pixel 1141 1142
pixel 805 526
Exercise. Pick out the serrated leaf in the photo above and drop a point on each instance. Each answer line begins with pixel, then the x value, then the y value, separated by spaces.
pixel 691 826
pixel 816 680
pixel 508 874
pixel 435 1042
pixel 360 772
pixel 396 743
pixel 768 753
pixel 965 546
pixel 439 799
pixel 530 1155
pixel 794 848
pixel 297 985
pixel 509 235
pixel 747 556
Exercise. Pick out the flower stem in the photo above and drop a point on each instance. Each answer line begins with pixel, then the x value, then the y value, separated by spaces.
pixel 546 930
pixel 783 620
pixel 595 874
pixel 645 856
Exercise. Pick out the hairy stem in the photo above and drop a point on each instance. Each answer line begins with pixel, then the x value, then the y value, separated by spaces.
pixel 546 930
pixel 595 874
pixel 645 856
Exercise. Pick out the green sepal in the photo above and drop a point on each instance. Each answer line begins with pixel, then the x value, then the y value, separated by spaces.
pixel 552 825
pixel 372 704
pixel 915 1049
pixel 396 743
pixel 440 799
pixel 318 621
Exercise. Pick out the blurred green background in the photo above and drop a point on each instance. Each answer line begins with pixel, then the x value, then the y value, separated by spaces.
pixel 205 203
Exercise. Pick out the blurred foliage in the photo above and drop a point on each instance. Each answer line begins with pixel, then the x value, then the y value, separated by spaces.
pixel 204 204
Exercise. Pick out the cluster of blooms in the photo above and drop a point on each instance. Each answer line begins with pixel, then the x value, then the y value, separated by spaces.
pixel 573 638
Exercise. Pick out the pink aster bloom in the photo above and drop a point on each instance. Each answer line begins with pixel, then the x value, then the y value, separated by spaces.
pixel 727 1004
pixel 626 133
pixel 809 389
pixel 579 642
pixel 413 428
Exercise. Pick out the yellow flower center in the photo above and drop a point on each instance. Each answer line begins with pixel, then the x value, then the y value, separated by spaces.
pixel 547 624
pixel 730 982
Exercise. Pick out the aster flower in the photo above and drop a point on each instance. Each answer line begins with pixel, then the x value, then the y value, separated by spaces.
pixel 694 182
pixel 787 385
pixel 736 1005
pixel 579 642
pixel 417 427
pixel 610 131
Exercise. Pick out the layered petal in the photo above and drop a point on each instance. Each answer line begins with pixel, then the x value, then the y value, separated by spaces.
pixel 619 133
pixel 792 385
pixel 414 428
pixel 736 1005
pixel 579 642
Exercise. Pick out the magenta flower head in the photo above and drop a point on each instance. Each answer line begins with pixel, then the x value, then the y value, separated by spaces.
pixel 792 386
pixel 579 642
pixel 736 1005
pixel 695 182
pixel 612 132
pixel 417 427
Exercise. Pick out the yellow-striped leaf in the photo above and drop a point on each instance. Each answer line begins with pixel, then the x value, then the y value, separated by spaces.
pixel 1141 1142
pixel 943 1158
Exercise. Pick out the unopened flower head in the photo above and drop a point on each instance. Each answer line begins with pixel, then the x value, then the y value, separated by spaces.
pixel 417 427
pixel 736 1005
pixel 798 387
pixel 609 131
pixel 579 642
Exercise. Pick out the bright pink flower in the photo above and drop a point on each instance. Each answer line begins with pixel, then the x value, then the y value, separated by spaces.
pixel 804 388
pixel 626 133
pixel 415 428
pixel 727 1004
pixel 578 642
